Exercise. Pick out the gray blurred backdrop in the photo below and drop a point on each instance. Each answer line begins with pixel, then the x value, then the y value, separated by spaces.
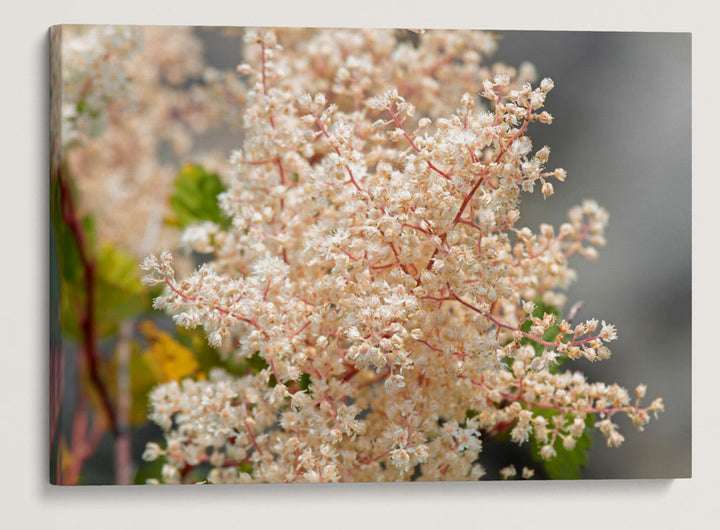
pixel 622 129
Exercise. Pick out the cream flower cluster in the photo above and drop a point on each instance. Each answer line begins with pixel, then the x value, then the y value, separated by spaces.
pixel 375 252
pixel 93 75
pixel 128 93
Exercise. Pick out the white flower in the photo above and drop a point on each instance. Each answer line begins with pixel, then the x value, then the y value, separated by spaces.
pixel 152 452
pixel 547 452
pixel 521 146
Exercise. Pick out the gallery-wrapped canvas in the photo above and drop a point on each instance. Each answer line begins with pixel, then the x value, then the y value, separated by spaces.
pixel 347 255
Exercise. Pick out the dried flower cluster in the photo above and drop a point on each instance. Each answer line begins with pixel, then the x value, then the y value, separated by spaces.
pixel 376 266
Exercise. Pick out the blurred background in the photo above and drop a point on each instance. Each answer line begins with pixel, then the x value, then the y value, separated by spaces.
pixel 621 105
pixel 622 130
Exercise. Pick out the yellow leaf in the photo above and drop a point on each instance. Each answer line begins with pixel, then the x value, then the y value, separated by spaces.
pixel 167 359
pixel 65 457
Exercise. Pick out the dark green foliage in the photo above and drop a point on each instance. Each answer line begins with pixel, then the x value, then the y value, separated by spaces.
pixel 119 293
pixel 567 464
pixel 304 381
pixel 206 356
pixel 550 334
pixel 149 470
pixel 194 197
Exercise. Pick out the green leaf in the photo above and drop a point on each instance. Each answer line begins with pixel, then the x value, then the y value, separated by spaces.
pixel 118 291
pixel 206 356
pixel 245 467
pixel 567 464
pixel 257 362
pixel 149 470
pixel 72 281
pixel 550 334
pixel 90 232
pixel 304 382
pixel 540 310
pixel 67 257
pixel 194 197
pixel 68 254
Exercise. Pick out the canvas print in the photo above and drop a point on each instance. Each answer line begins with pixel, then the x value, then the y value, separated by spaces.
pixel 288 255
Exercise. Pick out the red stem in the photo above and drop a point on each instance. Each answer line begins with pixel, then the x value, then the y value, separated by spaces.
pixel 324 131
pixel 412 144
pixel 87 322
pixel 455 298
pixel 222 310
